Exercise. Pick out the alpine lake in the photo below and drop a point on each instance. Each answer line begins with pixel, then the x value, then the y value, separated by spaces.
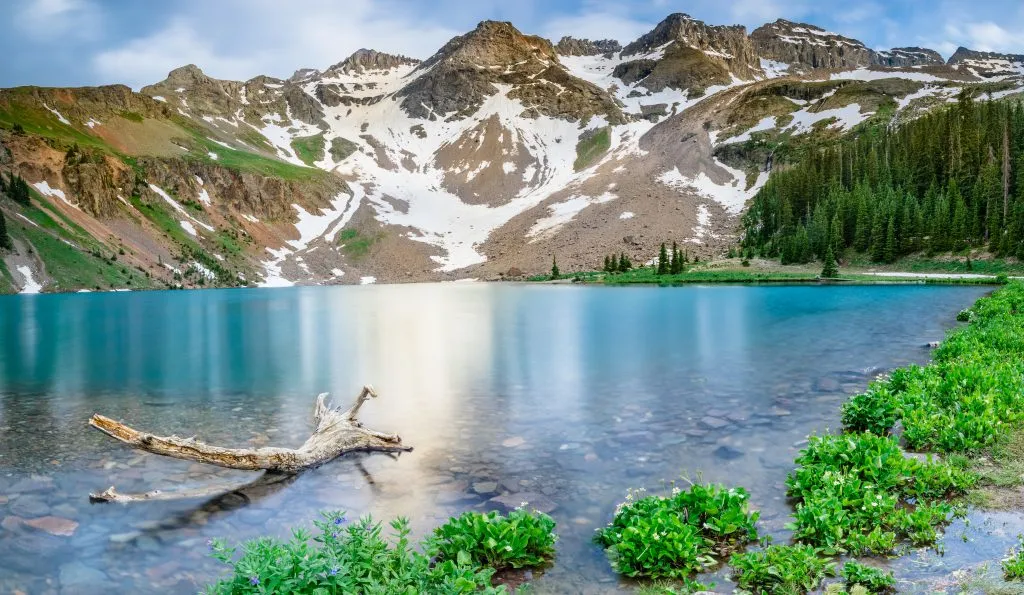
pixel 560 396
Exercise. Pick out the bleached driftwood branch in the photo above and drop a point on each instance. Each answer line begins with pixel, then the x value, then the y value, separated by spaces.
pixel 337 433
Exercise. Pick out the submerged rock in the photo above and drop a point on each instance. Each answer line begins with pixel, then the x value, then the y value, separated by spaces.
pixel 54 525
pixel 728 453
pixel 714 423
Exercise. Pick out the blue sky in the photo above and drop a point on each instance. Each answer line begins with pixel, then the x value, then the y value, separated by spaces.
pixel 89 42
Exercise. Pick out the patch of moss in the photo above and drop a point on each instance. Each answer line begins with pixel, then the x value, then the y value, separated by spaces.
pixel 342 148
pixel 591 146
pixel 354 244
pixel 309 149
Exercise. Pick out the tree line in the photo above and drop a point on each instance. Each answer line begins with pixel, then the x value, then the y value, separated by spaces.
pixel 17 190
pixel 948 181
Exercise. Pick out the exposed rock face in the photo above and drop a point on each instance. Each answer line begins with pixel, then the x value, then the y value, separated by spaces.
pixel 190 90
pixel 571 46
pixel 684 53
pixel 990 65
pixel 809 46
pixel 456 80
pixel 365 59
pixel 812 47
pixel 911 56
pixel 266 197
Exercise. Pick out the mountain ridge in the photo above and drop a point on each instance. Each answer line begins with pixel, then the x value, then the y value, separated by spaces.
pixel 490 156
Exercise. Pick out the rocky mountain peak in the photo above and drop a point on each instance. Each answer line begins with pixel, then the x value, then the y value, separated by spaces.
pixel 909 56
pixel 494 44
pixel 963 54
pixel 363 59
pixel 303 74
pixel 809 46
pixel 186 76
pixel 571 46
pixel 684 53
pixel 456 80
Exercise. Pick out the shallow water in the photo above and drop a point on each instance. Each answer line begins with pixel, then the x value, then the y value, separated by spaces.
pixel 565 396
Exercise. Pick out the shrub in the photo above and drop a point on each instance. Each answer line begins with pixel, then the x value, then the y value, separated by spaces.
pixel 872 579
pixel 968 397
pixel 677 535
pixel 521 539
pixel 857 493
pixel 783 569
pixel 345 558
pixel 1013 567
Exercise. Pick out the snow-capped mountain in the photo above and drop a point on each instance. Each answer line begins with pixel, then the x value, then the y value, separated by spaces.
pixel 483 160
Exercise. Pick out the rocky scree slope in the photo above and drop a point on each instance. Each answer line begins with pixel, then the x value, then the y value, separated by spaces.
pixel 482 161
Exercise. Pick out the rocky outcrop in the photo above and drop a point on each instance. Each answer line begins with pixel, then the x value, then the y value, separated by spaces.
pixel 684 53
pixel 810 47
pixel 571 46
pixel 364 59
pixel 267 197
pixel 456 80
pixel 908 57
pixel 191 91
pixel 988 65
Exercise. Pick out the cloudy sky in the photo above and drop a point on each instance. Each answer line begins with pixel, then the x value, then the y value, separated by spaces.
pixel 89 42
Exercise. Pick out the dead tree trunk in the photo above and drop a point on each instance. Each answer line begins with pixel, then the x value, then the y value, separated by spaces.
pixel 337 432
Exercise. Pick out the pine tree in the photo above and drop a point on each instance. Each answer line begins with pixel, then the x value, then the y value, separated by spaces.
pixel 613 266
pixel 831 268
pixel 891 251
pixel 624 263
pixel 676 265
pixel 555 273
pixel 5 240
pixel 607 264
pixel 663 260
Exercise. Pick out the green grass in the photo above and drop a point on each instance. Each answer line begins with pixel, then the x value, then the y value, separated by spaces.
pixel 72 269
pixel 41 122
pixel 6 281
pixel 354 244
pixel 309 149
pixel 591 147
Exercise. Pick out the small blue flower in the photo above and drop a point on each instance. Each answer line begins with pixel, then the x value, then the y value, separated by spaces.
pixel 254 580
pixel 334 535
pixel 334 571
pixel 339 520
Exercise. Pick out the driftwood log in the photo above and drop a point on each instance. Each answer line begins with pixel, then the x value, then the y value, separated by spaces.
pixel 337 432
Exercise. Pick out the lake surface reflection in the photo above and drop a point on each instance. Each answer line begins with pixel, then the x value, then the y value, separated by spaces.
pixel 563 396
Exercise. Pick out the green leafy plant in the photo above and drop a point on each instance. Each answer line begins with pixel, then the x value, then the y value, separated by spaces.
pixel 679 534
pixel 872 579
pixel 521 539
pixel 858 493
pixel 782 569
pixel 1013 567
pixel 345 558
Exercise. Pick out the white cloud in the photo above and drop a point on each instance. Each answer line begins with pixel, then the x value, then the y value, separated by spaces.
pixel 268 37
pixel 990 37
pixel 596 25
pixel 48 19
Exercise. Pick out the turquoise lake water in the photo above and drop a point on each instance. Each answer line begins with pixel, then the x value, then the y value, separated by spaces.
pixel 564 396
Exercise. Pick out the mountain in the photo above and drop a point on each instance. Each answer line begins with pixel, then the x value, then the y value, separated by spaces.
pixel 482 161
